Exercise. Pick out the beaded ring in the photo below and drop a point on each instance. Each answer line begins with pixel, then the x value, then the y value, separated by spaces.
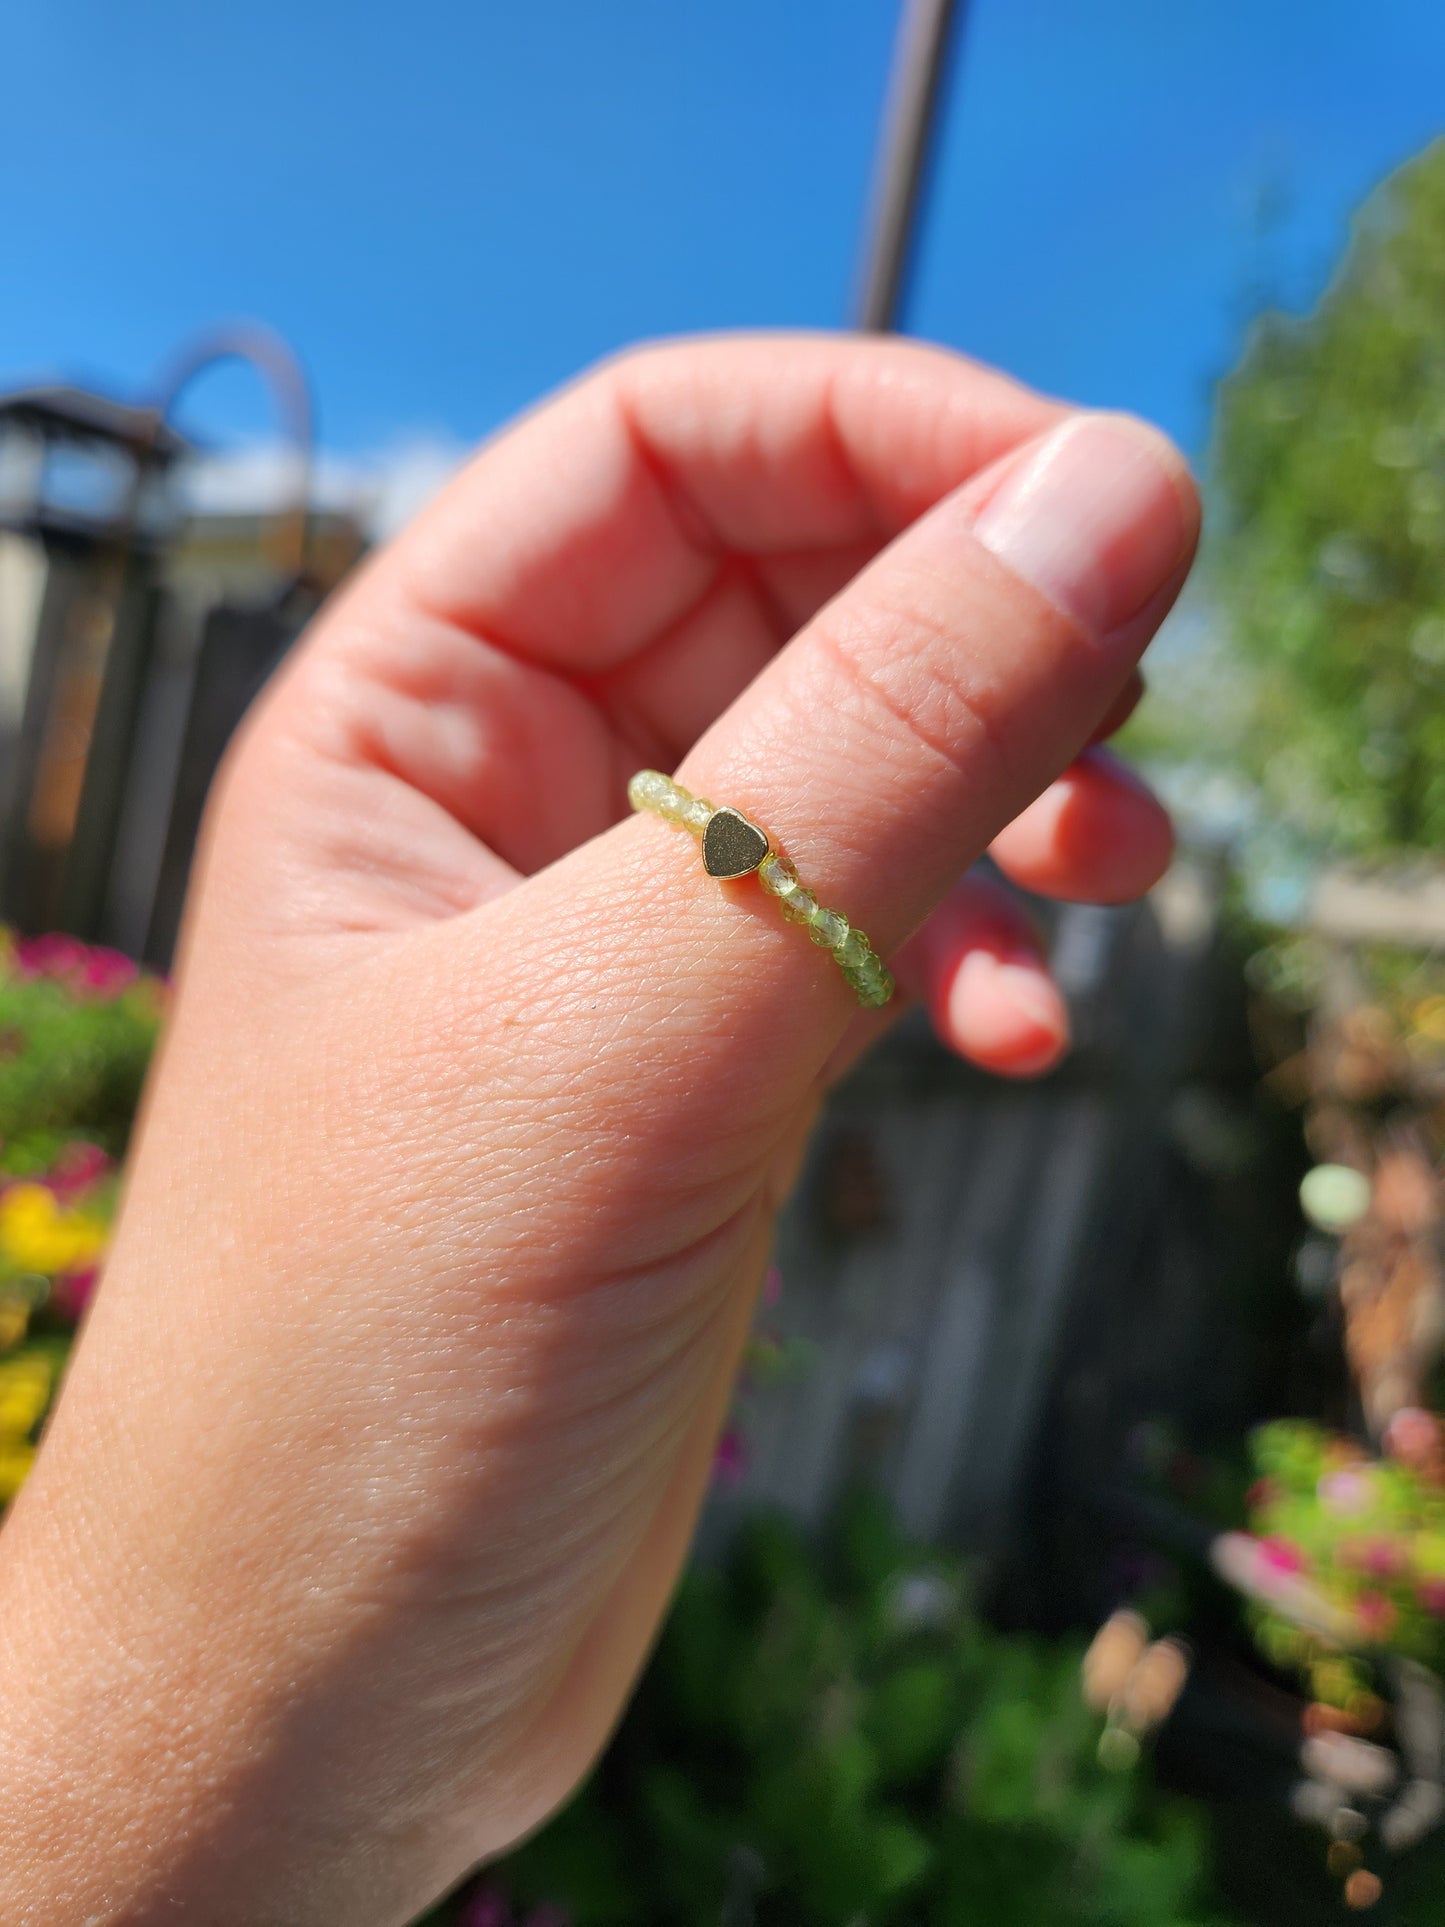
pixel 734 847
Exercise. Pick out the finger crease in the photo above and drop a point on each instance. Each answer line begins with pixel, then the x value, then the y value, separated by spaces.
pixel 694 527
pixel 882 526
pixel 959 760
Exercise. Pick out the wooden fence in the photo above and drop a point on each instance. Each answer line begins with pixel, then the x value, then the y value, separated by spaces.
pixel 993 1285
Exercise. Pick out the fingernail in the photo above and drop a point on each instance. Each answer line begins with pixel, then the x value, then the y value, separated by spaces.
pixel 1096 517
pixel 1006 1015
pixel 985 978
pixel 1031 994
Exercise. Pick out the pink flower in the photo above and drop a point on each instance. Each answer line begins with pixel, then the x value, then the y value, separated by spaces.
pixel 485 1908
pixel 1381 1558
pixel 730 1461
pixel 78 1167
pixel 1413 1435
pixel 1281 1556
pixel 1347 1492
pixel 1376 1615
pixel 73 1291
pixel 1431 1595
pixel 54 955
pixel 87 970
pixel 106 973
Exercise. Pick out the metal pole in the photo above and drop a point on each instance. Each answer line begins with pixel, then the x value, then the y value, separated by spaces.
pixel 926 35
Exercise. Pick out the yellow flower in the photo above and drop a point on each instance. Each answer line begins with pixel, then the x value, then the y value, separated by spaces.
pixel 24 1394
pixel 16 1459
pixel 36 1235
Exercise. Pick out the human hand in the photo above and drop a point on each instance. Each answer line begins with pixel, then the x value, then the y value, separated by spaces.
pixel 389 1427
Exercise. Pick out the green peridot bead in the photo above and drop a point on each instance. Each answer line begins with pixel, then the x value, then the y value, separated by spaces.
pixel 868 976
pixel 648 789
pixel 870 981
pixel 874 994
pixel 778 876
pixel 854 950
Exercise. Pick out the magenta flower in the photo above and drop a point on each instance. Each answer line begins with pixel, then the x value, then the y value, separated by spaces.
pixel 73 1291
pixel 54 955
pixel 1281 1557
pixel 1431 1595
pixel 87 970
pixel 78 1166
pixel 486 1907
pixel 106 973
pixel 730 1461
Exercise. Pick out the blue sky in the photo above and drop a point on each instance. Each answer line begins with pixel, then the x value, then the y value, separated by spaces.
pixel 450 207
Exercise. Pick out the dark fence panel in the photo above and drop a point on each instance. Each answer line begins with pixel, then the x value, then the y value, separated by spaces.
pixel 239 649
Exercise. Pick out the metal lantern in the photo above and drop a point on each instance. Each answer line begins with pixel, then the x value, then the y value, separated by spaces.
pixel 81 508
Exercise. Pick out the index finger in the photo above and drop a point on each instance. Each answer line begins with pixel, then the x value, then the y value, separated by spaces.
pixel 597 523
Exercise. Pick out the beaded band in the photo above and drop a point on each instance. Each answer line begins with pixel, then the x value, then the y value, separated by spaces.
pixel 734 847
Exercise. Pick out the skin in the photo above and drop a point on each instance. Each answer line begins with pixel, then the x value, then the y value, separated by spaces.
pixel 387 1434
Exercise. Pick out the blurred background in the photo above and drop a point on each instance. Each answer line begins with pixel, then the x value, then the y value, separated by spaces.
pixel 1077 1546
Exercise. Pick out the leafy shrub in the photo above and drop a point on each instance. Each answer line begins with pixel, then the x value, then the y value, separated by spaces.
pixel 836 1740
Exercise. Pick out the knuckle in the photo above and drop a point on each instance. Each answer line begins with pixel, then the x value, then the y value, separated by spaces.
pixel 904 673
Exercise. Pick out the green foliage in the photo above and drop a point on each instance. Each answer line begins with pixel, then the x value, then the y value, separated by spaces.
pixel 836 1741
pixel 1329 464
pixel 69 1065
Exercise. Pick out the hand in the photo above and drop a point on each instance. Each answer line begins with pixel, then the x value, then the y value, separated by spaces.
pixel 388 1431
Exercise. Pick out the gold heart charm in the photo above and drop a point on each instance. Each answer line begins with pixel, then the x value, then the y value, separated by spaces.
pixel 731 846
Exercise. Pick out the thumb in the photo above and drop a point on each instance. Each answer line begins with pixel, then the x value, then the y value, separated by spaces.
pixel 925 707
pixel 881 751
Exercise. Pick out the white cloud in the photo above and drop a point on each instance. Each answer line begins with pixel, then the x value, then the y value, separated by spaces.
pixel 383 489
